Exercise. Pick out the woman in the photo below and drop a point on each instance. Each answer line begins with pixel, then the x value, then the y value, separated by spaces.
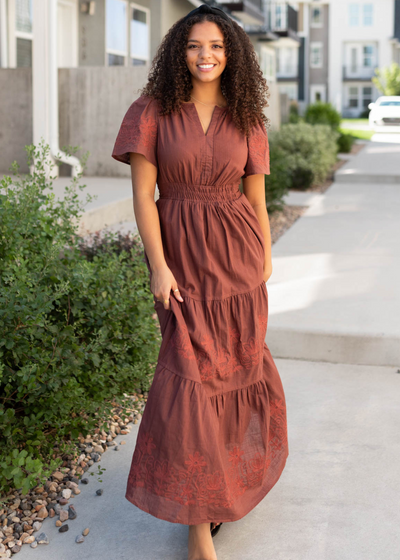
pixel 212 441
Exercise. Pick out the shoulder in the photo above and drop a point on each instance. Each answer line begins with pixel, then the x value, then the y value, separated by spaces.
pixel 258 131
pixel 146 106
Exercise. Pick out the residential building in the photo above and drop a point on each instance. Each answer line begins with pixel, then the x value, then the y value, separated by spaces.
pixel 278 46
pixel 314 29
pixel 361 37
pixel 282 19
pixel 89 62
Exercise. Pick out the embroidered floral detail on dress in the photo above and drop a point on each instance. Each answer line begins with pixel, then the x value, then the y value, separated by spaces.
pixel 180 340
pixel 278 435
pixel 258 149
pixel 195 484
pixel 143 132
pixel 135 133
pixel 221 362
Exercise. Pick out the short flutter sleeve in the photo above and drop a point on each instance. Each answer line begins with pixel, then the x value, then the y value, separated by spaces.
pixel 138 131
pixel 258 152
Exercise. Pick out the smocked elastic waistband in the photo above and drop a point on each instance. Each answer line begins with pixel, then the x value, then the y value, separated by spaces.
pixel 205 193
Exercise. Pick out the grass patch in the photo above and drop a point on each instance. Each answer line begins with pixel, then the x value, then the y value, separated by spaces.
pixel 359 134
pixel 350 123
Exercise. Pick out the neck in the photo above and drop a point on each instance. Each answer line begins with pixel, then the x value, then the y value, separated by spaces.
pixel 208 93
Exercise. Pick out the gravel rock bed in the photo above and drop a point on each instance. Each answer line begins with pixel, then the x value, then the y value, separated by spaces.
pixel 22 516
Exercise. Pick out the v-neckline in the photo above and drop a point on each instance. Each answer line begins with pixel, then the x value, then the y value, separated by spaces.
pixel 211 123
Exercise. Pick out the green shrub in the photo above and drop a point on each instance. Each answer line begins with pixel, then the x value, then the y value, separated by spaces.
pixel 322 113
pixel 365 114
pixel 308 152
pixel 278 182
pixel 345 143
pixel 294 116
pixel 77 326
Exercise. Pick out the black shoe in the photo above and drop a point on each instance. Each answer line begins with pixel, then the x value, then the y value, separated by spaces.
pixel 215 530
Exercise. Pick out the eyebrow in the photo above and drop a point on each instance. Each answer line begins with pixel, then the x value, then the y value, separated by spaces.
pixel 212 41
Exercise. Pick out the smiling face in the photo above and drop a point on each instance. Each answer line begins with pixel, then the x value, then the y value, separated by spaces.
pixel 205 52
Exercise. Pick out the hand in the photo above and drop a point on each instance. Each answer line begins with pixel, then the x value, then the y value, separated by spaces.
pixel 162 282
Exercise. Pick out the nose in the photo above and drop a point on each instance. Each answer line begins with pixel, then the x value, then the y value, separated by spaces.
pixel 205 53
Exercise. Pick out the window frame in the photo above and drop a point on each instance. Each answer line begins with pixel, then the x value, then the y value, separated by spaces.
pixel 267 61
pixel 351 96
pixel 282 16
pixel 320 46
pixel 316 24
pixel 27 35
pixel 147 11
pixel 357 16
pixel 365 15
pixel 116 52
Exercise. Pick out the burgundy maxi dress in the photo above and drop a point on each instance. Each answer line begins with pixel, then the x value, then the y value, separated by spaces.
pixel 213 438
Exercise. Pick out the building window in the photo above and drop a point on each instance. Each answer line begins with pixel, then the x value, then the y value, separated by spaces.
pixel 278 15
pixel 368 15
pixel 316 58
pixel 267 63
pixel 140 35
pixel 316 17
pixel 368 56
pixel 353 60
pixel 290 90
pixel 287 61
pixel 354 15
pixel 366 96
pixel 353 97
pixel 23 32
pixel 116 26
pixel 23 16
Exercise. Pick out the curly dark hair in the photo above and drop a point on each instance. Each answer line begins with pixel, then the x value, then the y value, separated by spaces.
pixel 242 82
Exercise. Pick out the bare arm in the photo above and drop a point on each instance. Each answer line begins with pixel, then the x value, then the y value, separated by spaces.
pixel 144 178
pixel 254 190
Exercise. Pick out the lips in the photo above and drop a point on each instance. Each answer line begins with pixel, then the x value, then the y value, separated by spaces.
pixel 206 67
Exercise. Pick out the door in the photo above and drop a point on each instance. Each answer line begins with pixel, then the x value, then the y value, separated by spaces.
pixel 317 93
pixel 360 60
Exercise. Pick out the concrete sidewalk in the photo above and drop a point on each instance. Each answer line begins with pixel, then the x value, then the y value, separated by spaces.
pixel 337 498
pixel 334 292
pixel 377 163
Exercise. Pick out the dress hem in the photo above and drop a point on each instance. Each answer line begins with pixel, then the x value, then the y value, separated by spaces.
pixel 219 519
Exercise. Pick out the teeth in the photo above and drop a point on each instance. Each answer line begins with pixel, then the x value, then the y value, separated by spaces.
pixel 206 65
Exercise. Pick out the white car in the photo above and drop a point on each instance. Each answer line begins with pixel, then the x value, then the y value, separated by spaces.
pixel 385 113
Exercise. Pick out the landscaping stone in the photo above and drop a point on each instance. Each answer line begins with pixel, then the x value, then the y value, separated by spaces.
pixel 37 525
pixel 63 515
pixel 80 539
pixel 42 539
pixel 72 512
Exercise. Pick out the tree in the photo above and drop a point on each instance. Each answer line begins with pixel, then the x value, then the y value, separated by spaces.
pixel 387 80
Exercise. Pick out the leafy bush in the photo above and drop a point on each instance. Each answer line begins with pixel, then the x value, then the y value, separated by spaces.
pixel 365 114
pixel 294 116
pixel 345 143
pixel 322 113
pixel 307 153
pixel 278 182
pixel 387 79
pixel 77 326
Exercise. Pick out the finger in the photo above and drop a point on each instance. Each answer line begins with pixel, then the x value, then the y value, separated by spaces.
pixel 177 293
pixel 166 302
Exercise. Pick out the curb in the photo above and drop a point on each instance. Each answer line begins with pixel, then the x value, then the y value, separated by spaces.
pixel 346 348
